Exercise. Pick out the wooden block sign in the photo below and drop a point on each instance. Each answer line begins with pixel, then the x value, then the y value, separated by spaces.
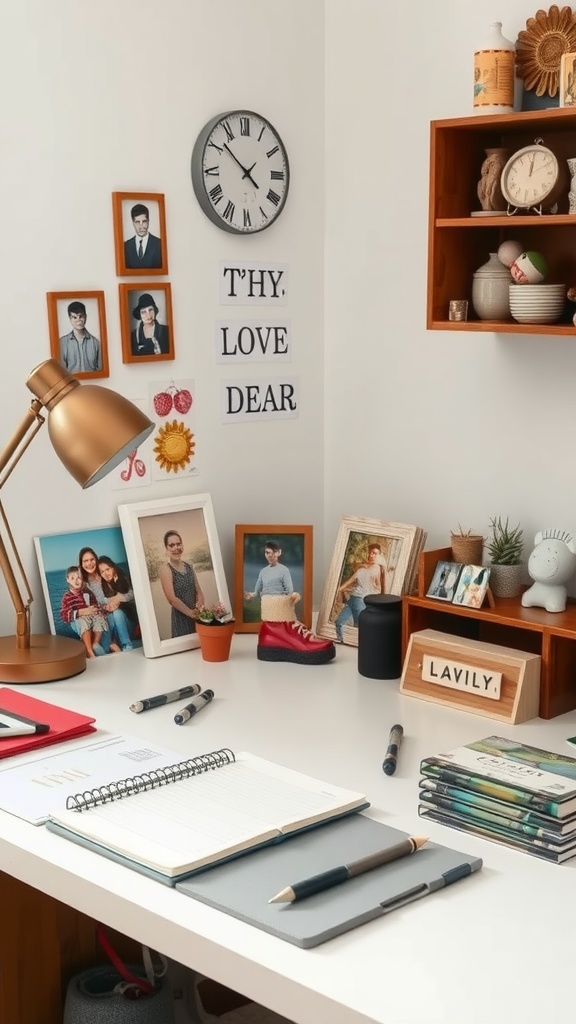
pixel 485 679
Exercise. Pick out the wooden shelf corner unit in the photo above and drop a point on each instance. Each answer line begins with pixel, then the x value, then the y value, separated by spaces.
pixel 458 243
pixel 552 635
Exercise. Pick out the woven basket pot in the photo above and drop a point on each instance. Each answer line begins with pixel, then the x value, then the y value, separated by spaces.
pixel 506 580
pixel 467 549
pixel 90 999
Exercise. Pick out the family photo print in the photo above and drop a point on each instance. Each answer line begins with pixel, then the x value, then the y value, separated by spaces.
pixel 87 589
pixel 272 563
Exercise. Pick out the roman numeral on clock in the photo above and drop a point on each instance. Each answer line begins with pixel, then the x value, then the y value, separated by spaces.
pixel 277 175
pixel 229 211
pixel 216 194
pixel 244 126
pixel 273 197
pixel 246 216
pixel 215 170
pixel 228 130
pixel 271 152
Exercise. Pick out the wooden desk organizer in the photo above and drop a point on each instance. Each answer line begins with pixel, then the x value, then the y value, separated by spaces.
pixel 520 684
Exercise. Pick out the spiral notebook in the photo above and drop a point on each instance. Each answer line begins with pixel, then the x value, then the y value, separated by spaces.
pixel 175 821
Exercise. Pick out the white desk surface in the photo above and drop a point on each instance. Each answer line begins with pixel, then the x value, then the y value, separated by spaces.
pixel 496 947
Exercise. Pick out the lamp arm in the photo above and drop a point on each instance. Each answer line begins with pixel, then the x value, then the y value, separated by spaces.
pixel 9 458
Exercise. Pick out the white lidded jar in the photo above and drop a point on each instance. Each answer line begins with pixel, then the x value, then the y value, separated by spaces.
pixel 494 63
pixel 491 290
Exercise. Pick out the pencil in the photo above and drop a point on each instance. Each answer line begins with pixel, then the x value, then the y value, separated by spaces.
pixel 327 879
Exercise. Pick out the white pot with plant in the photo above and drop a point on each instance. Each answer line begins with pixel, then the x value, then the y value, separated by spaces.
pixel 505 546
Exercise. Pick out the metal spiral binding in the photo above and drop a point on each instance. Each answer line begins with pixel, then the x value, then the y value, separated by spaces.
pixel 149 780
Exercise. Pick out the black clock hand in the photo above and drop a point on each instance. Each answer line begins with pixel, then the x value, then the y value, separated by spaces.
pixel 246 172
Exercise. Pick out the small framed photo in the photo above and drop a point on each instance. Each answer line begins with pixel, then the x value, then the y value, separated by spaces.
pixel 139 233
pixel 78 338
pixel 176 566
pixel 371 556
pixel 273 570
pixel 88 590
pixel 567 82
pixel 472 586
pixel 444 581
pixel 146 322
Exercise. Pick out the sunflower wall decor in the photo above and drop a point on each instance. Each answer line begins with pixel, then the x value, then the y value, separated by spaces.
pixel 540 46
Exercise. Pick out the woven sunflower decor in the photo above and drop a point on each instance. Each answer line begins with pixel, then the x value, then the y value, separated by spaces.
pixel 540 46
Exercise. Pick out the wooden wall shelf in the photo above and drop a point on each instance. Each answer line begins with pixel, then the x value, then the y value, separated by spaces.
pixel 458 243
pixel 551 635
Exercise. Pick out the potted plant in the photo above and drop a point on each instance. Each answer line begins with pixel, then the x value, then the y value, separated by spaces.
pixel 505 547
pixel 466 546
pixel 215 627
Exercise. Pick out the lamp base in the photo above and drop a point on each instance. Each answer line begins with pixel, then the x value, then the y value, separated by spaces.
pixel 48 658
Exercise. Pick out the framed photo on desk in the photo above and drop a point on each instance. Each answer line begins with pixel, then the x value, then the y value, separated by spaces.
pixel 263 552
pixel 175 565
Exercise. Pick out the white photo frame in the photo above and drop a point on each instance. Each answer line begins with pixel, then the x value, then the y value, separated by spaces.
pixel 144 527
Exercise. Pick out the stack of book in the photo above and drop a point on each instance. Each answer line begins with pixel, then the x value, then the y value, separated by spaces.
pixel 505 791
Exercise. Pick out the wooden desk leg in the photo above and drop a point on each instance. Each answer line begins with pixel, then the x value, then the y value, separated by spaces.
pixel 42 944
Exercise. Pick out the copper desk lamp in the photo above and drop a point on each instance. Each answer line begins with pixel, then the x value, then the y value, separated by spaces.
pixel 92 429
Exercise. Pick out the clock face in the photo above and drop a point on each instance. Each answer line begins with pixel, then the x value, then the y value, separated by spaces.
pixel 530 176
pixel 240 172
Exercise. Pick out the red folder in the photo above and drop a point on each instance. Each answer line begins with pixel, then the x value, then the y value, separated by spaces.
pixel 64 724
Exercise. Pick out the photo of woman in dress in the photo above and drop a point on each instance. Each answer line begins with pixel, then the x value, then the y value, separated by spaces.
pixel 180 586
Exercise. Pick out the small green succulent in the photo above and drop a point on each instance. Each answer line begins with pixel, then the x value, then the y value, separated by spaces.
pixel 506 543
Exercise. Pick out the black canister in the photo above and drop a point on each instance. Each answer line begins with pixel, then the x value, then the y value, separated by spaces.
pixel 379 637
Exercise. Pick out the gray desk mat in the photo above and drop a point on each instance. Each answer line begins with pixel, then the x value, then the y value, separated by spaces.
pixel 243 887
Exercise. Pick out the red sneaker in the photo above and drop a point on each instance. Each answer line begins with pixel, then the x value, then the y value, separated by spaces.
pixel 291 641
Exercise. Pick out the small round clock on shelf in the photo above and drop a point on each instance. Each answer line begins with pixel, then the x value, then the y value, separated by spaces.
pixel 240 172
pixel 533 179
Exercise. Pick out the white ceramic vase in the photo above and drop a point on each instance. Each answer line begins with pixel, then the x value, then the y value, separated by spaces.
pixel 491 290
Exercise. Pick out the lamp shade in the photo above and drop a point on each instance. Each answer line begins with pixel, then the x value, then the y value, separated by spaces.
pixel 92 429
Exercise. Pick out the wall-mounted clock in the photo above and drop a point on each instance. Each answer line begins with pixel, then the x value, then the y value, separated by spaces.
pixel 533 178
pixel 240 172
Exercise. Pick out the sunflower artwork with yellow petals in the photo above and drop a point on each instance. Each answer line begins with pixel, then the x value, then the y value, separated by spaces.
pixel 172 404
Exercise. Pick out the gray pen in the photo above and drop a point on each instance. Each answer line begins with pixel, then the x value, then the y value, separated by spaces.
pixel 394 741
pixel 194 707
pixel 165 698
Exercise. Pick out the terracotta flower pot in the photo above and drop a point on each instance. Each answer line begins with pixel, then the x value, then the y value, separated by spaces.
pixel 215 641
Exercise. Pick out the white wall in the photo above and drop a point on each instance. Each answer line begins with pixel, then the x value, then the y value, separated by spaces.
pixel 110 96
pixel 431 427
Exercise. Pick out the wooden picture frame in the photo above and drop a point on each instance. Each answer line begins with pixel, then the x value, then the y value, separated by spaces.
pixel 444 581
pixel 139 215
pixel 295 543
pixel 135 300
pixel 145 525
pixel 63 318
pixel 567 80
pixel 396 548
pixel 58 552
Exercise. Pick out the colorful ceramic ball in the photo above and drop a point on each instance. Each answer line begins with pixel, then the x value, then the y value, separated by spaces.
pixel 509 251
pixel 529 268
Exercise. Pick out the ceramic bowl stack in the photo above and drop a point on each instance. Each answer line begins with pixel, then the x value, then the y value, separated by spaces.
pixel 537 303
